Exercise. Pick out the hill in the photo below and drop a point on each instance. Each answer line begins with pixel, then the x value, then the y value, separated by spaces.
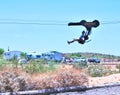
pixel 105 57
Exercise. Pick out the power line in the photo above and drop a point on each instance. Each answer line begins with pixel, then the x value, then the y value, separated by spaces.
pixel 111 22
pixel 44 22
pixel 32 23
pixel 34 20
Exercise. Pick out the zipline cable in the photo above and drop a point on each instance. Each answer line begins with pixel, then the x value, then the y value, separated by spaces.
pixel 44 22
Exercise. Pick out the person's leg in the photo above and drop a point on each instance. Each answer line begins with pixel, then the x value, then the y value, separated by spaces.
pixel 69 42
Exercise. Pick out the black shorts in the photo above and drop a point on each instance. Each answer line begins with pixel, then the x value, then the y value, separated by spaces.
pixel 81 41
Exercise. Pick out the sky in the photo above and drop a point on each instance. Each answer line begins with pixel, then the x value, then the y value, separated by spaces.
pixel 42 25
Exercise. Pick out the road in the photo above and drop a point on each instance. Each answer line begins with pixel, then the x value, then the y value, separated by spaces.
pixel 98 91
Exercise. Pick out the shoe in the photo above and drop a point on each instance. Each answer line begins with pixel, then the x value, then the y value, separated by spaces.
pixel 68 42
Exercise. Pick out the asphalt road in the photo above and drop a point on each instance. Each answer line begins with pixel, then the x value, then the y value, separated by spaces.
pixel 99 91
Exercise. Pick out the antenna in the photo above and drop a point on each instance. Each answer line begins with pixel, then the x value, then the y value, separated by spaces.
pixel 8 48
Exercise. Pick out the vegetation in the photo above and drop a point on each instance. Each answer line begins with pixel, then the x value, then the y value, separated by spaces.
pixel 39 66
pixel 73 55
pixel 46 75
pixel 98 71
pixel 1 51
pixel 89 55
pixel 23 55
pixel 40 74
pixel 1 63
pixel 80 65
pixel 118 67
pixel 12 82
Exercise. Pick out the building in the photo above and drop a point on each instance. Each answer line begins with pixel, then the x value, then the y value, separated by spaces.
pixel 11 54
pixel 33 55
pixel 52 55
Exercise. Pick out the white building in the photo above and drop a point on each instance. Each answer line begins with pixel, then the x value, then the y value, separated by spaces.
pixel 11 54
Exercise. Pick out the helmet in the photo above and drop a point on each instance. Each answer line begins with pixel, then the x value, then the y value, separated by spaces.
pixel 83 32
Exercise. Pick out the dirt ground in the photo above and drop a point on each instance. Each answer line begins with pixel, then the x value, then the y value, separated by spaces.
pixel 92 81
pixel 114 78
pixel 95 81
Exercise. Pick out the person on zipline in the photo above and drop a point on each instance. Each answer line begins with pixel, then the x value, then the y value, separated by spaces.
pixel 88 25
pixel 80 40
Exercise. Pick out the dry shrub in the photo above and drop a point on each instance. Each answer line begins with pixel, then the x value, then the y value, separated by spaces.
pixel 11 82
pixel 62 79
pixel 70 78
pixel 18 80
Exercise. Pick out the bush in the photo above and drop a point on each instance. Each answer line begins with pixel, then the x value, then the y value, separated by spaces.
pixel 98 71
pixel 1 51
pixel 1 63
pixel 52 65
pixel 11 82
pixel 65 78
pixel 14 62
pixel 118 67
pixel 38 66
pixel 80 65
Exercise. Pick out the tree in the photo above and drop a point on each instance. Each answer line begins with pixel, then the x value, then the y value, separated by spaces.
pixel 1 51
pixel 23 55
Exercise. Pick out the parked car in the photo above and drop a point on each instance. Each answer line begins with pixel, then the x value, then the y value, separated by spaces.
pixel 22 61
pixel 79 60
pixel 94 60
